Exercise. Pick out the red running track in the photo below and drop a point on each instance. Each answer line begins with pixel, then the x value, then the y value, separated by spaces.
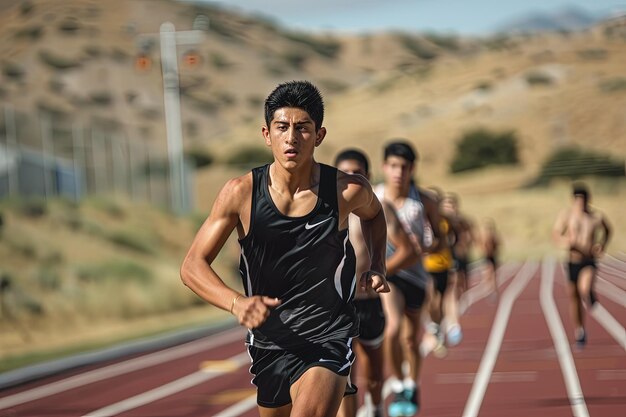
pixel 512 362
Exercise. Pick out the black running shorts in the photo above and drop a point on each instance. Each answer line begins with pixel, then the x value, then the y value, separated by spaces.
pixel 575 268
pixel 371 321
pixel 440 279
pixel 414 296
pixel 276 370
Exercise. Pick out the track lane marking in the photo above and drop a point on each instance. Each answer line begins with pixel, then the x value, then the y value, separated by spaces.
pixel 238 408
pixel 564 353
pixel 168 389
pixel 496 336
pixel 122 368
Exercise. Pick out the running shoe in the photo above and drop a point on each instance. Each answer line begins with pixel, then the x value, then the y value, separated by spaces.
pixel 398 405
pixel 581 338
pixel 455 335
pixel 412 405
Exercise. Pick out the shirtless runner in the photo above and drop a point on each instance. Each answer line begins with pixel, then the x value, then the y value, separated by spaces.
pixel 585 232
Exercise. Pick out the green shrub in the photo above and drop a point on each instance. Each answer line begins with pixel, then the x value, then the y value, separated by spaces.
pixel 483 85
pixel 480 148
pixel 47 278
pixel 32 207
pixel 101 98
pixel 295 58
pixel 115 271
pixel 57 61
pixel 32 32
pixel 416 47
pixel 92 51
pixel 327 48
pixel 573 162
pixel 26 7
pixel 69 26
pixel 132 241
pixel 250 156
pixel 613 85
pixel 199 157
pixel 13 70
pixel 449 42
pixel 537 78
pixel 593 54
pixel 219 61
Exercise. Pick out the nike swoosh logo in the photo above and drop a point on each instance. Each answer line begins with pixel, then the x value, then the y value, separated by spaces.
pixel 311 226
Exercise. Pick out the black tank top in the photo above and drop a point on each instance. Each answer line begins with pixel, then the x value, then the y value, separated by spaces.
pixel 306 262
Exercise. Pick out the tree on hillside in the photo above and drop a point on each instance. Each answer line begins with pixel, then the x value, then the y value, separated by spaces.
pixel 481 147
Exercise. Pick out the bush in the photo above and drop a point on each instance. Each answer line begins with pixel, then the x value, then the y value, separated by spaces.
pixel 295 59
pixel 251 156
pixel 449 42
pixel 69 26
pixel 593 54
pixel 101 98
pixel 480 148
pixel 116 271
pixel 12 70
pixel 56 61
pixel 536 78
pixel 219 61
pixel 572 162
pixel 131 241
pixel 32 208
pixel 416 46
pixel 613 85
pixel 199 157
pixel 32 32
pixel 327 48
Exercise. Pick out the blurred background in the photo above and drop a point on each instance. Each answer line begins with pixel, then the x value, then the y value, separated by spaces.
pixel 117 129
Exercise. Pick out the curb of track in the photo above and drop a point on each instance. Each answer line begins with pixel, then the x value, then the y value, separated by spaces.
pixel 41 370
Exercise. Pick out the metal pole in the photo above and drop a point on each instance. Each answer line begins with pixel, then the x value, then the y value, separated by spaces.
pixel 169 67
pixel 78 158
pixel 44 123
pixel 11 134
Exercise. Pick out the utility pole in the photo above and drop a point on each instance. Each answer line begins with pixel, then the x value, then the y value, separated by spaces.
pixel 170 39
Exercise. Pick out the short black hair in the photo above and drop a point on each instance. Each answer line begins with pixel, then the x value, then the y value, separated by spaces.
pixel 401 148
pixel 580 189
pixel 353 155
pixel 299 94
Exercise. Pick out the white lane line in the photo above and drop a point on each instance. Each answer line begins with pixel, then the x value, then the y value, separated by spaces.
pixel 611 375
pixel 122 368
pixel 469 377
pixel 563 351
pixel 166 390
pixel 610 324
pixel 482 290
pixel 238 408
pixel 611 291
pixel 602 316
pixel 488 360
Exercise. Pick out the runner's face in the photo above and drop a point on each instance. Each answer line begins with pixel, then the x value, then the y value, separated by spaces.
pixel 292 136
pixel 352 166
pixel 398 171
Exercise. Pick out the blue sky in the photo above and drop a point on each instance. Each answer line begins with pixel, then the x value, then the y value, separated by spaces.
pixel 456 16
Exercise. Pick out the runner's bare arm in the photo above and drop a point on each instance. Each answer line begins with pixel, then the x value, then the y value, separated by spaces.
pixel 405 253
pixel 606 228
pixel 197 272
pixel 358 197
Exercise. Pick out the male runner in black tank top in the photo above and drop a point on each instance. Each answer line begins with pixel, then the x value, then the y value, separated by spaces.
pixel 297 264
